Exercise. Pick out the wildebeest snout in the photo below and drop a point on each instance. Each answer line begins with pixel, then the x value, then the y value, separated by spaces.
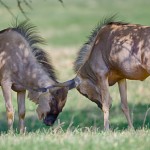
pixel 50 119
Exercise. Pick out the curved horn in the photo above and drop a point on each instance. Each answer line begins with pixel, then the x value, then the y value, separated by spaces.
pixel 54 88
pixel 70 83
pixel 77 81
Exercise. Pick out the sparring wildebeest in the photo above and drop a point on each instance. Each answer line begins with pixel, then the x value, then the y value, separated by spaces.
pixel 25 66
pixel 115 51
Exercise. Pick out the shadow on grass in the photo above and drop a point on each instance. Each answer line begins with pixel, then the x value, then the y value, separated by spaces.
pixel 88 117
pixel 93 116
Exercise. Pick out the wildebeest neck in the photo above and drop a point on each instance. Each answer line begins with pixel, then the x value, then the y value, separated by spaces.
pixel 86 72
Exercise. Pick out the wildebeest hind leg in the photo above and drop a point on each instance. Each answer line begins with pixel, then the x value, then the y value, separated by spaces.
pixel 124 104
pixel 21 110
pixel 6 89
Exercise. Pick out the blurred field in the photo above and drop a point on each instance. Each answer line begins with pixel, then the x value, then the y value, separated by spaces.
pixel 80 124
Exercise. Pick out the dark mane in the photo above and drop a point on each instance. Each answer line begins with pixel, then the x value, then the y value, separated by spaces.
pixel 28 31
pixel 85 50
pixel 44 59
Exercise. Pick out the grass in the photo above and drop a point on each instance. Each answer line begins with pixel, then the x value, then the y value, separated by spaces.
pixel 80 125
pixel 78 139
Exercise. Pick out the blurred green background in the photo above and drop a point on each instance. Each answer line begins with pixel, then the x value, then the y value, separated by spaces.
pixel 65 29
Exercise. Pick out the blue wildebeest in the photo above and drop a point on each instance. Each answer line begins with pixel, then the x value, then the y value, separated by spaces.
pixel 115 51
pixel 25 66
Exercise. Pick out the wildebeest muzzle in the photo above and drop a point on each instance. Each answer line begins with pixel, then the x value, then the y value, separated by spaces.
pixel 50 119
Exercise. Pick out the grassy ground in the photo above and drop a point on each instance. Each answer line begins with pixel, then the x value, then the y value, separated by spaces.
pixel 80 124
pixel 78 139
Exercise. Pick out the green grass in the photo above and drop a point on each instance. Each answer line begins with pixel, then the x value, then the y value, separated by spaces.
pixel 70 25
pixel 78 139
pixel 80 125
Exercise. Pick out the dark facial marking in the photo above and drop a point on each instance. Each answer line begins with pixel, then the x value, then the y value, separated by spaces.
pixel 58 96
pixel 50 119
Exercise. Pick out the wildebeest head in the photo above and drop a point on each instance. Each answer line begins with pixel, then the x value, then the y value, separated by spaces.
pixel 50 102
pixel 58 100
pixel 90 90
pixel 56 104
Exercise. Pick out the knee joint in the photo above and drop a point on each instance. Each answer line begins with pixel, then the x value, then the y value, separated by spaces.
pixel 22 115
pixel 10 115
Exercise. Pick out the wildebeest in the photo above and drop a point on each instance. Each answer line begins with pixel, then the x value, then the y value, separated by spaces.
pixel 25 66
pixel 114 52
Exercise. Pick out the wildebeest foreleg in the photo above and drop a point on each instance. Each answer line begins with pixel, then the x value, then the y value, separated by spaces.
pixel 21 110
pixel 6 89
pixel 105 96
pixel 124 104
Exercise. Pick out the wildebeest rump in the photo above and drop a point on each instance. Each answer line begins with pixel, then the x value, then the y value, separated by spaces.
pixel 25 66
pixel 115 51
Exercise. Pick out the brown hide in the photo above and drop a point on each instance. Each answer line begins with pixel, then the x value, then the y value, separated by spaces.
pixel 120 51
pixel 115 52
pixel 24 66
